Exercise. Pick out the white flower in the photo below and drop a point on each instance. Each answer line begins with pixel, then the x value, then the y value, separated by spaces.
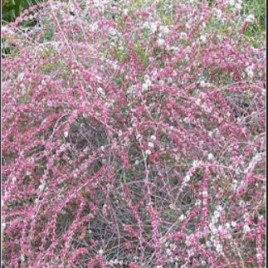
pixel 182 217
pixel 115 65
pixel 233 224
pixel 169 80
pixel 146 24
pixel 198 202
pixel 173 246
pixel 153 137
pixel 161 82
pixel 187 242
pixel 94 26
pixel 196 163
pixel 259 256
pixel 214 219
pixel 145 86
pixel 219 208
pixel 188 25
pixel 62 148
pixel 221 228
pixel 242 203
pixel 219 248
pixel 203 39
pixel 139 137
pixel 218 13
pixel 160 42
pixel 167 244
pixel 3 225
pixel 153 27
pixel 246 215
pixel 206 108
pixel 208 244
pixel 183 35
pixel 250 18
pixel 149 82
pixel 131 89
pixel 246 229
pixel 146 77
pixel 101 251
pixel 238 7
pixel 235 184
pixel 203 83
pixel 214 230
pixel 190 252
pixel 198 101
pixel 113 31
pixel 205 193
pixel 187 120
pixel 211 226
pixel 216 214
pixel 101 91
pixel 227 225
pixel 148 152
pixel 210 156
pixel 187 178
pixel 164 29
pixel 150 144
pixel 169 252
pixel 249 71
pixel 65 134
pixel 42 187
pixel 21 75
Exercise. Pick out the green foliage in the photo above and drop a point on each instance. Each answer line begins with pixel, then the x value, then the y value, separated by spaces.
pixel 47 52
pixel 48 34
pixel 257 8
pixel 8 49
pixel 256 30
pixel 24 98
pixel 52 66
pixel 165 12
pixel 13 8
pixel 141 52
pixel 121 54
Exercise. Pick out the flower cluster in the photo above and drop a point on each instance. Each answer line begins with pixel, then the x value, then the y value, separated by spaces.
pixel 133 136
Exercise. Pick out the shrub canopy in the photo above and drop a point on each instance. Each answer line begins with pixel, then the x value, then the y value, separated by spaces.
pixel 134 135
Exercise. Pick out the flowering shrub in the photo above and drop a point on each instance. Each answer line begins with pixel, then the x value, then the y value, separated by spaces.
pixel 133 136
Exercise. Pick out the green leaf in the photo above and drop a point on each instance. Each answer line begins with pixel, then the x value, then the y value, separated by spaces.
pixel 17 7
pixel 142 54
pixel 24 98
